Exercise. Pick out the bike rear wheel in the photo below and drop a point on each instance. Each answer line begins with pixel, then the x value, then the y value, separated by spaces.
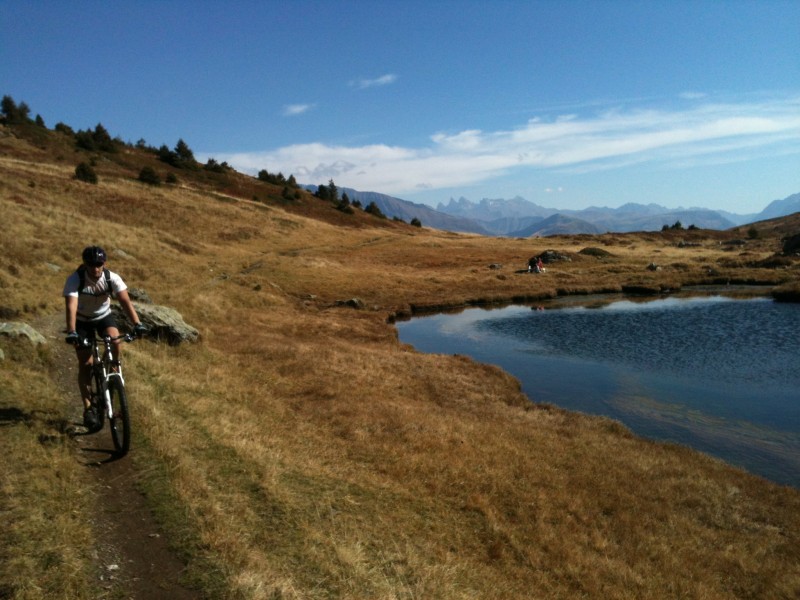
pixel 119 423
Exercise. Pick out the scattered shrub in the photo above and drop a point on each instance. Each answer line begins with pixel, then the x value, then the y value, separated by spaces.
pixel 66 129
pixel 215 167
pixel 791 244
pixel 344 206
pixel 13 113
pixel 85 172
pixel 183 151
pixel 279 179
pixel 149 176
pixel 373 209
pixel 328 192
pixel 98 140
pixel 775 262
pixel 596 252
pixel 182 157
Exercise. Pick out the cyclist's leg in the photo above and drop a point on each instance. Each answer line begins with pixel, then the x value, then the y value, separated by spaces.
pixel 108 326
pixel 85 374
pixel 85 330
pixel 116 346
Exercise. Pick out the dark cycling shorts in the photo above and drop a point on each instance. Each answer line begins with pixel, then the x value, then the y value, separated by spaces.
pixel 87 329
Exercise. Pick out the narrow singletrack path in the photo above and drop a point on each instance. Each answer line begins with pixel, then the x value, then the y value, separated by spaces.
pixel 133 558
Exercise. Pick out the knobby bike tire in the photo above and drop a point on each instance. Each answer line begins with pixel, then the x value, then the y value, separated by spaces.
pixel 120 423
pixel 98 397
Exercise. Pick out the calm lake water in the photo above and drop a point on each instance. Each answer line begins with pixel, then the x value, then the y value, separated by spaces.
pixel 717 374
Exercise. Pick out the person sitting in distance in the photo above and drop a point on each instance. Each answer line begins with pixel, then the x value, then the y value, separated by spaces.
pixel 534 264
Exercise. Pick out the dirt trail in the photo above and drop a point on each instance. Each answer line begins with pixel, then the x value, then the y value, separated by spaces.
pixel 133 559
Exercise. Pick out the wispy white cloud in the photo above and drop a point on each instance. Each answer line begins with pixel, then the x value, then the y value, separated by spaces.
pixel 693 95
pixel 291 110
pixel 363 84
pixel 705 134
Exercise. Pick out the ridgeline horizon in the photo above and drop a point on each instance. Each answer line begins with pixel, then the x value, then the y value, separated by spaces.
pixel 515 217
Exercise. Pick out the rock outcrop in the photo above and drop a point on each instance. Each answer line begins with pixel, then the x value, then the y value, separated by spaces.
pixel 163 322
pixel 17 329
pixel 551 256
pixel 791 245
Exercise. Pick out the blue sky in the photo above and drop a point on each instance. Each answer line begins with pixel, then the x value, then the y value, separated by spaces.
pixel 565 103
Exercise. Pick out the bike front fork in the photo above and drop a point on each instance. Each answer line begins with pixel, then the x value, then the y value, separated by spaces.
pixel 100 399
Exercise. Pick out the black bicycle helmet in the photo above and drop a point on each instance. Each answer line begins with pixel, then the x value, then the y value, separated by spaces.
pixel 94 255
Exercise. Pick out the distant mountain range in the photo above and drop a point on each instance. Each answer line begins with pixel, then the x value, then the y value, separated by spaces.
pixel 518 217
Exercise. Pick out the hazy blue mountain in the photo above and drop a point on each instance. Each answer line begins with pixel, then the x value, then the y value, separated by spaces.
pixel 775 209
pixel 780 208
pixel 402 209
pixel 699 217
pixel 555 225
pixel 621 220
pixel 506 225
pixel 738 219
pixel 502 217
pixel 626 218
pixel 490 209
pixel 518 217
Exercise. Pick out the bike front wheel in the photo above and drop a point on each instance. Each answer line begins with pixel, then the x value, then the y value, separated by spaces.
pixel 98 392
pixel 119 423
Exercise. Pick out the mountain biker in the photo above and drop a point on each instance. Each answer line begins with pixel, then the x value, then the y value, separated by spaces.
pixel 87 293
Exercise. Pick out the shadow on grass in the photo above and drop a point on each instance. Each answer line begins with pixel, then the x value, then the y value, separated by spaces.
pixel 111 455
pixel 13 415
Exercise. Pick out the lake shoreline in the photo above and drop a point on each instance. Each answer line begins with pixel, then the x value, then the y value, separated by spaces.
pixel 696 413
pixel 576 298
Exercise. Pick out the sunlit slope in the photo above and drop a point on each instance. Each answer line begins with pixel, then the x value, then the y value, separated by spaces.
pixel 300 451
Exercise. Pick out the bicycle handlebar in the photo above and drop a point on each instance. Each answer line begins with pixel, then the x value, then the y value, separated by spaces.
pixel 87 342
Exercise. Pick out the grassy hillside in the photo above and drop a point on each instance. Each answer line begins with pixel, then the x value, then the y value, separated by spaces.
pixel 300 451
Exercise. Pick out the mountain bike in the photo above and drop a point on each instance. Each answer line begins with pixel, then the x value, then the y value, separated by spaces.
pixel 108 389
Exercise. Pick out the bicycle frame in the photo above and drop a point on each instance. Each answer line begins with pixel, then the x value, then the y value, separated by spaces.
pixel 103 365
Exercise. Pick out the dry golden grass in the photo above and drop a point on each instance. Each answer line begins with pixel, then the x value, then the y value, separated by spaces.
pixel 45 546
pixel 300 451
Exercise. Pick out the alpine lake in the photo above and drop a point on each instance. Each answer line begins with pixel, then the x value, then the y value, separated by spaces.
pixel 715 372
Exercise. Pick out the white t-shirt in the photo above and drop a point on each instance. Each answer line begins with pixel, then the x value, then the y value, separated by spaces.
pixel 94 303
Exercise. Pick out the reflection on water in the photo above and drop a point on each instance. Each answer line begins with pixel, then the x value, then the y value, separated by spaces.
pixel 720 375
